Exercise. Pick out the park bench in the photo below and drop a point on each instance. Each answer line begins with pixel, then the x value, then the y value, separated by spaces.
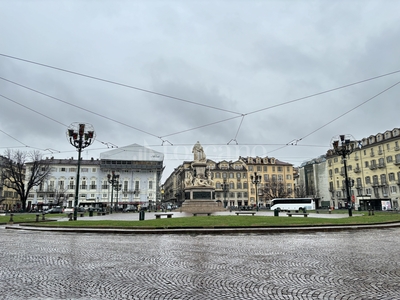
pixel 158 215
pixel 297 214
pixel 201 213
pixel 245 213
pixel 329 211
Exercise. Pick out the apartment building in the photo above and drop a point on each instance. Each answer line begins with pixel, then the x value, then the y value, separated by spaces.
pixel 139 171
pixel 277 179
pixel 232 181
pixel 374 172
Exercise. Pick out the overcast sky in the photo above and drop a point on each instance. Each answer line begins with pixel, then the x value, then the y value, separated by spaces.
pixel 267 78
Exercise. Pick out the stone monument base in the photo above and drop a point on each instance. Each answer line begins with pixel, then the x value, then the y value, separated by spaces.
pixel 201 206
pixel 199 199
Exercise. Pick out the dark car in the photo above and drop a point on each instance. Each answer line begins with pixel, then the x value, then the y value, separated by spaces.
pixel 54 210
pixel 129 209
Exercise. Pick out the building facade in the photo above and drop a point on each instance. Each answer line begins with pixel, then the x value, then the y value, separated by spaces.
pixel 232 181
pixel 139 170
pixel 9 198
pixel 277 179
pixel 313 182
pixel 373 170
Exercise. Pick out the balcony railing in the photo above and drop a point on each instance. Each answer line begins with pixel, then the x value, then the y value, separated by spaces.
pixel 357 170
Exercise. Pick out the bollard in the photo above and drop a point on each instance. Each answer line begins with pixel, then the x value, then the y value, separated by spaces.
pixel 70 217
pixel 11 218
pixel 43 217
pixel 37 217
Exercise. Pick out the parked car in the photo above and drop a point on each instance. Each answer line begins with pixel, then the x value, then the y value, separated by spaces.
pixel 129 209
pixel 54 210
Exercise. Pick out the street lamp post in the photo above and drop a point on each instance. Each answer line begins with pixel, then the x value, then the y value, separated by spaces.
pixel 113 179
pixel 256 179
pixel 80 136
pixel 117 188
pixel 225 189
pixel 343 147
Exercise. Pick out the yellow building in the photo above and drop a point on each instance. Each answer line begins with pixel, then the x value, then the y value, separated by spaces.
pixel 277 179
pixel 373 170
pixel 233 183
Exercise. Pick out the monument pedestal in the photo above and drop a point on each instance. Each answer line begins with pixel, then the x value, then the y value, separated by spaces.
pixel 199 186
pixel 200 200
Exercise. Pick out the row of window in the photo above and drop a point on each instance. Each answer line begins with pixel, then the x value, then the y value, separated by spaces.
pixel 92 186
pixel 265 168
pixel 231 195
pixel 370 191
pixel 89 196
pixel 373 164
pixel 266 177
pixel 374 180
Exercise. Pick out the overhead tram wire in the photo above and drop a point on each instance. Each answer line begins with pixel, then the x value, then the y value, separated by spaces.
pixel 43 115
pixel 198 127
pixel 25 145
pixel 31 109
pixel 310 96
pixel 119 84
pixel 340 116
pixel 324 92
pixel 77 106
pixel 354 108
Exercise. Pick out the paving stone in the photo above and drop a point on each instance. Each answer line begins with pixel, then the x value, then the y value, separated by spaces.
pixel 345 265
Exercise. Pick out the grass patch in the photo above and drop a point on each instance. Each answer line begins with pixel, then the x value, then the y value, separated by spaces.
pixel 211 222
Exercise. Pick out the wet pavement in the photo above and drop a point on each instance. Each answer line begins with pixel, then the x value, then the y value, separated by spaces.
pixel 361 264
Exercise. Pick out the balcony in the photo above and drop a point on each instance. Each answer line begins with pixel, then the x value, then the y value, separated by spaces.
pixel 357 170
pixel 382 165
pixel 372 167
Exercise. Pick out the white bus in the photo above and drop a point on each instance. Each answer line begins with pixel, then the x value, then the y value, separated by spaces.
pixel 293 203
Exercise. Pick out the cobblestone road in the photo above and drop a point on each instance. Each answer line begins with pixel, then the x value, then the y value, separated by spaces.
pixel 332 265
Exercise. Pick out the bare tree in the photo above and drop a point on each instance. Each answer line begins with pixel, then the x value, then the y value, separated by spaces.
pixel 300 191
pixel 59 196
pixel 276 189
pixel 15 175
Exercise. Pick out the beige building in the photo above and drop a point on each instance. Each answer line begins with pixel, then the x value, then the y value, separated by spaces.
pixel 232 181
pixel 277 179
pixel 373 170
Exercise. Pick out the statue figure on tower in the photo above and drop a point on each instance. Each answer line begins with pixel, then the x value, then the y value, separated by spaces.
pixel 198 153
